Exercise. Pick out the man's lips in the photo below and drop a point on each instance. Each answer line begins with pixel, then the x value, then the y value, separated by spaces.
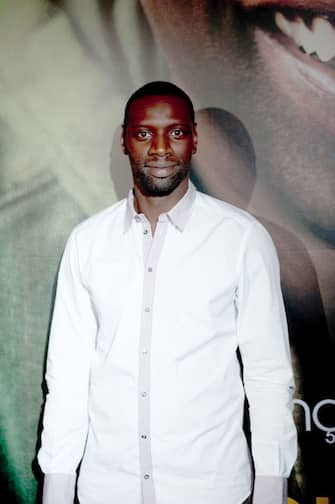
pixel 160 165
pixel 160 170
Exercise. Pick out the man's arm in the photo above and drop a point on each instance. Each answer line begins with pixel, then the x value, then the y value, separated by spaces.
pixel 267 371
pixel 59 488
pixel 71 344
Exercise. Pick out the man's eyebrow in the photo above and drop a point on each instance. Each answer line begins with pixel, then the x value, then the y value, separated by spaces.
pixel 150 125
pixel 139 125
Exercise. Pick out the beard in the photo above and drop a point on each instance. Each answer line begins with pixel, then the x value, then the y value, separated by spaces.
pixel 159 186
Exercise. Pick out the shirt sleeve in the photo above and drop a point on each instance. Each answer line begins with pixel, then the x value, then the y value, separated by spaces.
pixel 264 346
pixel 269 490
pixel 58 489
pixel 71 344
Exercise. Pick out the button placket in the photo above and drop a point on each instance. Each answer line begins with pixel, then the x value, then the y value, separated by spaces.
pixel 151 251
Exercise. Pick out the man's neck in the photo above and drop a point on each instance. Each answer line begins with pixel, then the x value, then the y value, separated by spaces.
pixel 153 206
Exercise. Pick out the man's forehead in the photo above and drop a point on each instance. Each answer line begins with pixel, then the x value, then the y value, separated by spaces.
pixel 159 106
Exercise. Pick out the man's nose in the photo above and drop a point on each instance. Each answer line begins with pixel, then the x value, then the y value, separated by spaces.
pixel 160 145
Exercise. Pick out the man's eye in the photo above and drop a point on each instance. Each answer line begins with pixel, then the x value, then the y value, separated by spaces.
pixel 177 133
pixel 143 135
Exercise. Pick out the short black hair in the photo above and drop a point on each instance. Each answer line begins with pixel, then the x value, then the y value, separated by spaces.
pixel 158 88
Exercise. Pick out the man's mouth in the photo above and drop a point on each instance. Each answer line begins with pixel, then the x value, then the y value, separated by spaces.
pixel 310 29
pixel 158 170
pixel 160 165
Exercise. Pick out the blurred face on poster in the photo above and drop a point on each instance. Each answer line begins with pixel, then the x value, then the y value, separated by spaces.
pixel 277 58
pixel 269 62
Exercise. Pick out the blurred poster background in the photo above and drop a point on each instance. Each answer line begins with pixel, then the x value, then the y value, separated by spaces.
pixel 262 77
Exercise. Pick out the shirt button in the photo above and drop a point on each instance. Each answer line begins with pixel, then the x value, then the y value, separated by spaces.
pixel 150 270
pixel 146 476
pixel 144 351
pixel 145 232
pixel 144 436
pixel 144 394
pixel 147 309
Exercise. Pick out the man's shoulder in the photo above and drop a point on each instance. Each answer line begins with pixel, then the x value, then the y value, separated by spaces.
pixel 111 217
pixel 242 228
pixel 220 210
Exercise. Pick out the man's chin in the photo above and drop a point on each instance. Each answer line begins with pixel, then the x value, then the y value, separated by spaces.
pixel 157 190
pixel 159 186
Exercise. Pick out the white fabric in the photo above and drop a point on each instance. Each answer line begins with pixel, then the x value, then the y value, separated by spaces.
pixel 58 489
pixel 216 288
pixel 266 487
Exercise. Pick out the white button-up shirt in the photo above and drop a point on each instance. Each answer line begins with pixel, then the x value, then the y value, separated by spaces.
pixel 144 381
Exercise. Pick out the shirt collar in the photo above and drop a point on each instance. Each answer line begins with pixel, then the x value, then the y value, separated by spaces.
pixel 178 215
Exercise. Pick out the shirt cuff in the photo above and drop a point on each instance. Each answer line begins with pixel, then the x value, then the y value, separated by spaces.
pixel 58 488
pixel 270 490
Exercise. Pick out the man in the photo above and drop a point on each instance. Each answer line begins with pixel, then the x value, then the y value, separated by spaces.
pixel 155 295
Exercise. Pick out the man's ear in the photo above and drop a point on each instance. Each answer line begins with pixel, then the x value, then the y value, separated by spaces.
pixel 123 141
pixel 195 138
